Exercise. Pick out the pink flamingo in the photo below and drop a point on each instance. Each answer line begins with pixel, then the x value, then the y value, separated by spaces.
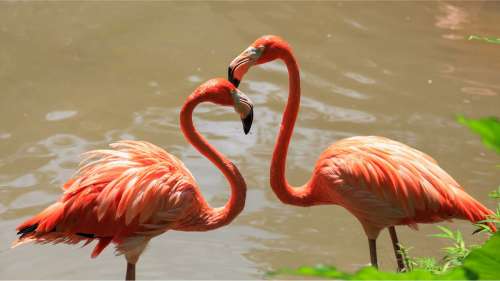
pixel 383 183
pixel 137 191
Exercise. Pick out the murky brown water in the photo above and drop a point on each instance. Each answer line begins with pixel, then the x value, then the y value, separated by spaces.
pixel 77 76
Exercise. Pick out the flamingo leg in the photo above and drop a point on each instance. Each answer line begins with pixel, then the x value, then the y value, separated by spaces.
pixel 397 248
pixel 130 271
pixel 372 243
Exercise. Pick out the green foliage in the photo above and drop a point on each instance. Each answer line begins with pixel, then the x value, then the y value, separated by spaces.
pixel 495 219
pixel 488 39
pixel 495 194
pixel 412 264
pixel 425 263
pixel 456 253
pixel 482 263
pixel 428 264
pixel 366 273
pixel 488 128
pixel 323 271
pixel 485 261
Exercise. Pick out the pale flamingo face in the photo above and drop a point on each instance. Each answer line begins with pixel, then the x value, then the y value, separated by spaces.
pixel 222 92
pixel 240 65
pixel 244 107
pixel 264 49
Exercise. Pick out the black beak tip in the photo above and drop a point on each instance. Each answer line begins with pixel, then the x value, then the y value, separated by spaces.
pixel 231 78
pixel 247 122
pixel 235 82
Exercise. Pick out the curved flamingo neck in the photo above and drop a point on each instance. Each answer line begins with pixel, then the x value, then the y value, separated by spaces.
pixel 286 192
pixel 213 217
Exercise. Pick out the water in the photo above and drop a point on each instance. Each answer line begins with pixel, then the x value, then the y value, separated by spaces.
pixel 77 76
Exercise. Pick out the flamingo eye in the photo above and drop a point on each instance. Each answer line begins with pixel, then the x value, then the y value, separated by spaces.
pixel 255 52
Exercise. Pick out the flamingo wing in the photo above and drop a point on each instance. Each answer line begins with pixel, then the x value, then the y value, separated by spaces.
pixel 407 180
pixel 135 189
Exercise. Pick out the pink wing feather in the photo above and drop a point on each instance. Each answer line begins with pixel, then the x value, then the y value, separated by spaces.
pixel 407 180
pixel 135 189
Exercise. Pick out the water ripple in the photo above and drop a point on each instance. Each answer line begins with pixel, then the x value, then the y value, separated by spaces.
pixel 194 79
pixel 355 24
pixel 156 119
pixel 325 84
pixel 262 87
pixel 4 136
pixel 32 199
pixel 26 180
pixel 275 66
pixel 336 113
pixel 66 150
pixel 359 78
pixel 60 115
pixel 479 91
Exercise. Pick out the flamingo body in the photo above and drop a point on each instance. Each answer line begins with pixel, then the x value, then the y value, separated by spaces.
pixel 385 183
pixel 127 196
pixel 382 182
pixel 136 191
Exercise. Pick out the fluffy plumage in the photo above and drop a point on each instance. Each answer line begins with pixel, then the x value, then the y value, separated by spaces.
pixel 403 185
pixel 137 189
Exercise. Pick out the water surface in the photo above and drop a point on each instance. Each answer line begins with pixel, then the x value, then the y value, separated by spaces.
pixel 78 76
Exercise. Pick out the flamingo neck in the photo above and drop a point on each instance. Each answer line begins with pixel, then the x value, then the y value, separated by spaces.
pixel 287 193
pixel 212 218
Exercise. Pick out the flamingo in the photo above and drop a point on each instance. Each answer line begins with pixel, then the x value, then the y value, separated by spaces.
pixel 382 182
pixel 137 190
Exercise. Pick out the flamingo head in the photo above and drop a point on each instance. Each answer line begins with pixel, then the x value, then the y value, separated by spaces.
pixel 222 92
pixel 265 49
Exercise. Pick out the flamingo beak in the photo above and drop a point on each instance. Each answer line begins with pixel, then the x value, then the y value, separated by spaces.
pixel 240 65
pixel 230 76
pixel 244 107
pixel 247 121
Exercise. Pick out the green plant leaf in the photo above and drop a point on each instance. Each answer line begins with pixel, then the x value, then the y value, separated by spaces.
pixel 495 194
pixel 485 261
pixel 489 39
pixel 488 128
pixel 445 233
pixel 370 273
pixel 323 271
